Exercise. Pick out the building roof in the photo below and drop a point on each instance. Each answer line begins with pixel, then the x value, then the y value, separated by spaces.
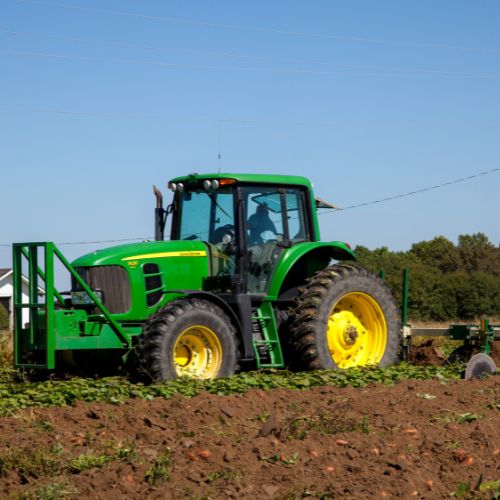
pixel 5 271
pixel 8 271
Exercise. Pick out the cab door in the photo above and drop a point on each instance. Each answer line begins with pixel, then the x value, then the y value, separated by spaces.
pixel 273 220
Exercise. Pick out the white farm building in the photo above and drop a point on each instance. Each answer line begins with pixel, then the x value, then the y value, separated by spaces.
pixel 7 295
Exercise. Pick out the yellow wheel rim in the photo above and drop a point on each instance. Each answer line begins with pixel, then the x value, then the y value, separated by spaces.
pixel 198 353
pixel 356 331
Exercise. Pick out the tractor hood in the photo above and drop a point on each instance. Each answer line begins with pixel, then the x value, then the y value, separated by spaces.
pixel 133 255
pixel 137 278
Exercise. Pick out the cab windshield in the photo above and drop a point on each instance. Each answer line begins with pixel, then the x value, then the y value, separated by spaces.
pixel 206 216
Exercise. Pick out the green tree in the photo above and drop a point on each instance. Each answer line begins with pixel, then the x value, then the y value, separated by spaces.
pixel 439 252
pixel 477 253
pixel 447 281
pixel 478 295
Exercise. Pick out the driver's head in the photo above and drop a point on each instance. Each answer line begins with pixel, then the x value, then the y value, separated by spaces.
pixel 262 210
pixel 259 223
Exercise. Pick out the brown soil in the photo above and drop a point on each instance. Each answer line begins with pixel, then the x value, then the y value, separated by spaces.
pixel 427 353
pixel 417 439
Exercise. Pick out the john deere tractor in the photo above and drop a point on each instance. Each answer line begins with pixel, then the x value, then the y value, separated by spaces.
pixel 243 282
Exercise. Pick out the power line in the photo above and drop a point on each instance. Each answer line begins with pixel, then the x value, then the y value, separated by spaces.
pixel 246 68
pixel 111 114
pixel 260 29
pixel 223 54
pixel 310 123
pixel 412 193
pixel 358 205
pixel 91 242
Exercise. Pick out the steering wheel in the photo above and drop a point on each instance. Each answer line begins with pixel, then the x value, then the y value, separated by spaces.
pixel 222 231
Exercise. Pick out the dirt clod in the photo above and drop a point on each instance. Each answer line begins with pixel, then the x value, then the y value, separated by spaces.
pixel 270 426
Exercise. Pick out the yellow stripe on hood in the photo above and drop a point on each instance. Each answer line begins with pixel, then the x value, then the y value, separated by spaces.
pixel 163 255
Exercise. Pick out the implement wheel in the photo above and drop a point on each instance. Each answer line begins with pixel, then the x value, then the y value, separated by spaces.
pixel 345 317
pixel 188 337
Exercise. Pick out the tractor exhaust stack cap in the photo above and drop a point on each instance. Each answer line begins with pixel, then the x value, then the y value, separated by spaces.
pixel 159 197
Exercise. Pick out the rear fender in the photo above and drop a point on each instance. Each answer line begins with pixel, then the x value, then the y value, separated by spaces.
pixel 303 260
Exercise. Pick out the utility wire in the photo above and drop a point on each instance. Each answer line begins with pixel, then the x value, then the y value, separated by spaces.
pixel 111 114
pixel 259 29
pixel 219 121
pixel 91 242
pixel 411 193
pixel 219 54
pixel 336 210
pixel 249 68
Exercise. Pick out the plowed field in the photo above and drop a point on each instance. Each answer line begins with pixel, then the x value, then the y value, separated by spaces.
pixel 413 439
pixel 417 439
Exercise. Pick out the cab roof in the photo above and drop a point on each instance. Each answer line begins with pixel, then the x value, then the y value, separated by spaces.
pixel 249 178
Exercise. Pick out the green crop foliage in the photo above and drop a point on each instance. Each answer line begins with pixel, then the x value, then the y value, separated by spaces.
pixel 282 460
pixel 17 394
pixel 159 472
pixel 461 418
pixel 226 475
pixel 88 461
pixel 490 488
pixel 29 464
pixel 52 491
pixel 299 427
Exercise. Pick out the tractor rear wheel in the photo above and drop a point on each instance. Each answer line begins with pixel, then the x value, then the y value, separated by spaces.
pixel 188 337
pixel 344 317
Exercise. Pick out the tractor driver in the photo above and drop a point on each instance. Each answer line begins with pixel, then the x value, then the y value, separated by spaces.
pixel 259 223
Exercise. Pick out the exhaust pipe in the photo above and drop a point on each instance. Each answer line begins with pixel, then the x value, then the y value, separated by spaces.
pixel 160 215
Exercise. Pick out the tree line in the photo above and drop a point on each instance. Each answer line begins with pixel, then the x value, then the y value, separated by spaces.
pixel 447 281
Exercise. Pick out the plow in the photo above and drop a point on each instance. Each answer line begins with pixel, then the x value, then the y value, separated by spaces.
pixel 243 282
pixel 475 340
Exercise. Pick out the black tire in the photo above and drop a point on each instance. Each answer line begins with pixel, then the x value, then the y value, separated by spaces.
pixel 161 332
pixel 332 287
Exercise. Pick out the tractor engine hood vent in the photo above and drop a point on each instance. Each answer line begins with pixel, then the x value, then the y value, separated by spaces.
pixel 113 282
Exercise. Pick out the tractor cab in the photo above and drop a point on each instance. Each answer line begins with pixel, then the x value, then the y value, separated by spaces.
pixel 245 221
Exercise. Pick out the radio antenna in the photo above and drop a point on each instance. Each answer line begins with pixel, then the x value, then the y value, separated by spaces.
pixel 219 155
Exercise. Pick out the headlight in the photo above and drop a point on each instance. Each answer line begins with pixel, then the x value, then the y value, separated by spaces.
pixel 81 298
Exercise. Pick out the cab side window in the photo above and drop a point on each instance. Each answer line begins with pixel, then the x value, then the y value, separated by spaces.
pixel 264 217
pixel 295 210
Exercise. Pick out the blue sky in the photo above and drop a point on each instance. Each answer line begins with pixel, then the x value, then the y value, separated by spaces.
pixel 101 99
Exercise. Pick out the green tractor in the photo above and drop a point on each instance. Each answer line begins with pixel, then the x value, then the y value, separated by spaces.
pixel 244 282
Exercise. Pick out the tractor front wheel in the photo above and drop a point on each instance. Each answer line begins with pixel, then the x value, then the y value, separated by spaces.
pixel 188 337
pixel 344 317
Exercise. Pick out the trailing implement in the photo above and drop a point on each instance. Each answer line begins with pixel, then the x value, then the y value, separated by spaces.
pixel 476 340
pixel 244 282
